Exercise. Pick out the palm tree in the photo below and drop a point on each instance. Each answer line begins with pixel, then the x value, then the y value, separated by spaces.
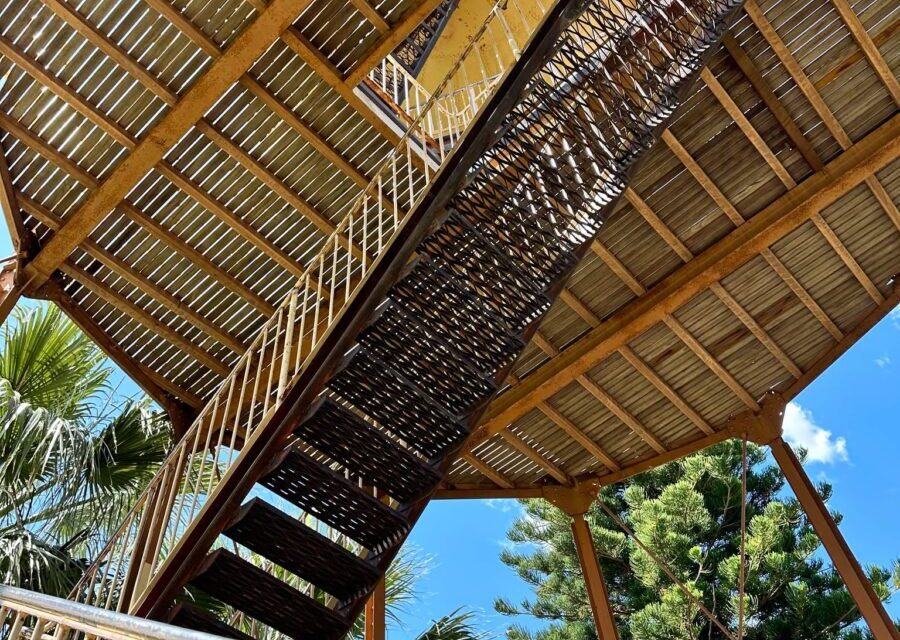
pixel 73 457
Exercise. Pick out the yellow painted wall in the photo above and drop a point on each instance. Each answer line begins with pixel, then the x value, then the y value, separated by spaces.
pixel 464 23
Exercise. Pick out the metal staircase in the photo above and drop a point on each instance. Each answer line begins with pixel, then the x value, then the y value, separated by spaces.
pixel 295 487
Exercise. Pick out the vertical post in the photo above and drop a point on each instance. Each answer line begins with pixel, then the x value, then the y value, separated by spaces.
pixel 9 291
pixel 593 577
pixel 868 602
pixel 375 611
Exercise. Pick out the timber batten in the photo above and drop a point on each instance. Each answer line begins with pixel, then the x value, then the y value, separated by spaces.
pixel 753 245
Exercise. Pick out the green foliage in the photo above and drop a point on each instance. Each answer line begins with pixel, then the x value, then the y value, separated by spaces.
pixel 72 460
pixel 688 514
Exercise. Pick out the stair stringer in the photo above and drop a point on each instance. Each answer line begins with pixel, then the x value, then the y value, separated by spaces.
pixel 527 132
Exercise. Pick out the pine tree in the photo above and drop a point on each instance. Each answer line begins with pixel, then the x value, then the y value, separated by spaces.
pixel 688 514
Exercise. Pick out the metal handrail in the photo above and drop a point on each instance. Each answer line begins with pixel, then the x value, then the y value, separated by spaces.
pixel 27 615
pixel 237 416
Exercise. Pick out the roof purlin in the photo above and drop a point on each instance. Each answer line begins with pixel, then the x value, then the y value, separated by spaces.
pixel 863 159
pixel 223 72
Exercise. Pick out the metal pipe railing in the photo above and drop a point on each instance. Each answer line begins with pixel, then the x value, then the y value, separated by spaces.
pixel 27 615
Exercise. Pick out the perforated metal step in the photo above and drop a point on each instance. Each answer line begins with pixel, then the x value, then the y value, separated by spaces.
pixel 457 315
pixel 370 455
pixel 301 550
pixel 406 344
pixel 404 409
pixel 336 501
pixel 190 617
pixel 246 587
pixel 478 266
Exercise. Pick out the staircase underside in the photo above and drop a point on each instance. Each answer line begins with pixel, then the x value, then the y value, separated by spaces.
pixel 399 404
pixel 704 290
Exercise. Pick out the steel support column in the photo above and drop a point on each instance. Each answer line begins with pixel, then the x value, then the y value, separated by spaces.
pixel 375 613
pixel 848 566
pixel 593 578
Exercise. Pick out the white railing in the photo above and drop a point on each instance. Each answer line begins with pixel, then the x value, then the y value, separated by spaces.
pixel 26 615
pixel 239 413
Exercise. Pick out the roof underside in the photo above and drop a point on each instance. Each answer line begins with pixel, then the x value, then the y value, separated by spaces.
pixel 182 274
pixel 697 300
pixel 665 332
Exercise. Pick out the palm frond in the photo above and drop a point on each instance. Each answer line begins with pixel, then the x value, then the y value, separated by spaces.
pixel 457 625
pixel 51 364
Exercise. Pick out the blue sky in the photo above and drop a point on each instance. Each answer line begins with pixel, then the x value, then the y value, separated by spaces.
pixel 849 419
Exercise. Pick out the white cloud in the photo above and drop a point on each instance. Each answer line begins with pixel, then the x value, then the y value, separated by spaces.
pixel 801 431
pixel 883 361
pixel 501 505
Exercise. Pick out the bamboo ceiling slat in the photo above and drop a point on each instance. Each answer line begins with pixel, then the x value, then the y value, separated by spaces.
pixel 769 323
pixel 107 72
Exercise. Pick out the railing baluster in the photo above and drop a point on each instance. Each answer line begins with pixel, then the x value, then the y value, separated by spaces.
pixel 172 500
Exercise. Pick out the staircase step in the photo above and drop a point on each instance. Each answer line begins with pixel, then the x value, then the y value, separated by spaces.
pixel 406 344
pixel 401 408
pixel 336 501
pixel 526 224
pixel 369 455
pixel 462 250
pixel 189 617
pixel 231 579
pixel 301 550
pixel 458 316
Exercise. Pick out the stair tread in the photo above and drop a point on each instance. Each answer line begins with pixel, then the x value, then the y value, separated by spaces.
pixel 474 260
pixel 418 349
pixel 301 550
pixel 383 393
pixel 336 501
pixel 189 617
pixel 370 455
pixel 436 298
pixel 246 587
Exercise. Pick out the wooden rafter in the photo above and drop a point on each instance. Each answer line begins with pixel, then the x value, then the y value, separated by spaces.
pixel 222 73
pixel 579 436
pixel 769 156
pixel 847 258
pixel 785 214
pixel 620 412
pixel 765 92
pixel 10 206
pixel 487 471
pixel 113 298
pixel 611 404
pixel 869 49
pixel 139 217
pixel 702 178
pixel 734 427
pixel 177 178
pixel 800 291
pixel 658 225
pixel 709 360
pixel 128 273
pixel 665 389
pixel 756 329
pixel 196 257
pixel 156 386
pixel 733 110
pixel 812 95
pixel 529 452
